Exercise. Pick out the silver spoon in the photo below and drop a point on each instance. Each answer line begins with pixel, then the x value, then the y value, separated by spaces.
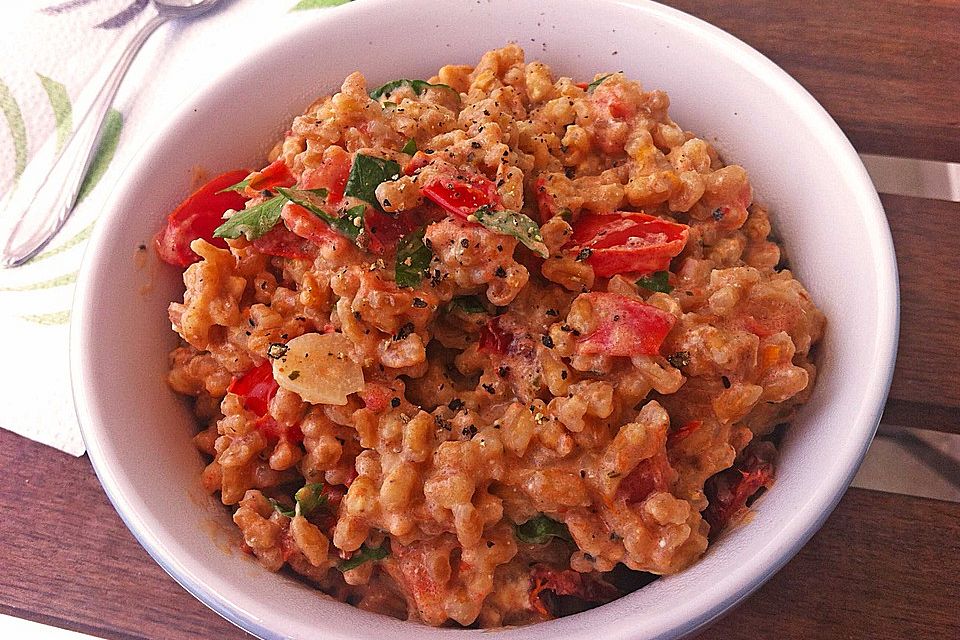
pixel 45 196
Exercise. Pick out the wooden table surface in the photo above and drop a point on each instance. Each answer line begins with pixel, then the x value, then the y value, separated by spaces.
pixel 883 566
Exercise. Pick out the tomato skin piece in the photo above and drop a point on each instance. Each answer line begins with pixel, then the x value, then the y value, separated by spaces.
pixel 728 491
pixel 628 242
pixel 567 582
pixel 494 338
pixel 197 217
pixel 276 174
pixel 651 475
pixel 683 432
pixel 625 327
pixel 331 175
pixel 256 387
pixel 461 194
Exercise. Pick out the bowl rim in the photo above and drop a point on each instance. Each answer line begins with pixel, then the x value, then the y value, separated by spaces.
pixel 808 517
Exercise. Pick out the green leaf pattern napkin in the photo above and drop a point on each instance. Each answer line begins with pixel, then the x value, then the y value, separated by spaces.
pixel 51 55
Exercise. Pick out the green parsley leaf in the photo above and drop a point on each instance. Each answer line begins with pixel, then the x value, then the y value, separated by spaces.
pixel 596 83
pixel 282 509
pixel 366 174
pixel 253 222
pixel 539 530
pixel 516 224
pixel 418 86
pixel 310 498
pixel 365 554
pixel 410 148
pixel 413 258
pixel 658 281
pixel 312 199
pixel 239 187
pixel 469 304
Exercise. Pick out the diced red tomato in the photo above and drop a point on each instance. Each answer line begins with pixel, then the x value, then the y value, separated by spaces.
pixel 461 193
pixel 331 175
pixel 582 85
pixel 546 203
pixel 276 174
pixel 494 338
pixel 256 387
pixel 308 226
pixel 729 491
pixel 625 327
pixel 628 242
pixel 418 161
pixel 197 217
pixel 651 475
pixel 280 241
pixel 385 230
pixel 683 432
pixel 610 98
pixel 567 582
pixel 274 431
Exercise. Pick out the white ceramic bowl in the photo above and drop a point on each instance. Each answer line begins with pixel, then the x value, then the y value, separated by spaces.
pixel 824 206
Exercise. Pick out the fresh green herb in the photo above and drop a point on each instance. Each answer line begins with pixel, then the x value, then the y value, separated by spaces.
pixel 516 224
pixel 410 148
pixel 239 187
pixel 366 174
pixel 253 222
pixel 413 258
pixel 539 530
pixel 658 281
pixel 470 304
pixel 418 87
pixel 282 509
pixel 349 224
pixel 310 498
pixel 596 83
pixel 365 554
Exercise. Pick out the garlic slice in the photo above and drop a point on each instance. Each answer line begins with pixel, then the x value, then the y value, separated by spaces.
pixel 318 368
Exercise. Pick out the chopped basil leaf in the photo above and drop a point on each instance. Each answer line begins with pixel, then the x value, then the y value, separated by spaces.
pixel 282 509
pixel 418 86
pixel 365 554
pixel 253 222
pixel 658 281
pixel 239 187
pixel 366 174
pixel 410 148
pixel 413 258
pixel 539 530
pixel 470 304
pixel 310 498
pixel 516 224
pixel 596 83
pixel 312 199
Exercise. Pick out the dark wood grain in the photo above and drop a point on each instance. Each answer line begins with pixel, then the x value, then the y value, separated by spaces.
pixel 884 566
pixel 926 383
pixel 68 560
pixel 888 72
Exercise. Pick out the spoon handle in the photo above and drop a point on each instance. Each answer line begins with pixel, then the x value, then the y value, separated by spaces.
pixel 41 202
